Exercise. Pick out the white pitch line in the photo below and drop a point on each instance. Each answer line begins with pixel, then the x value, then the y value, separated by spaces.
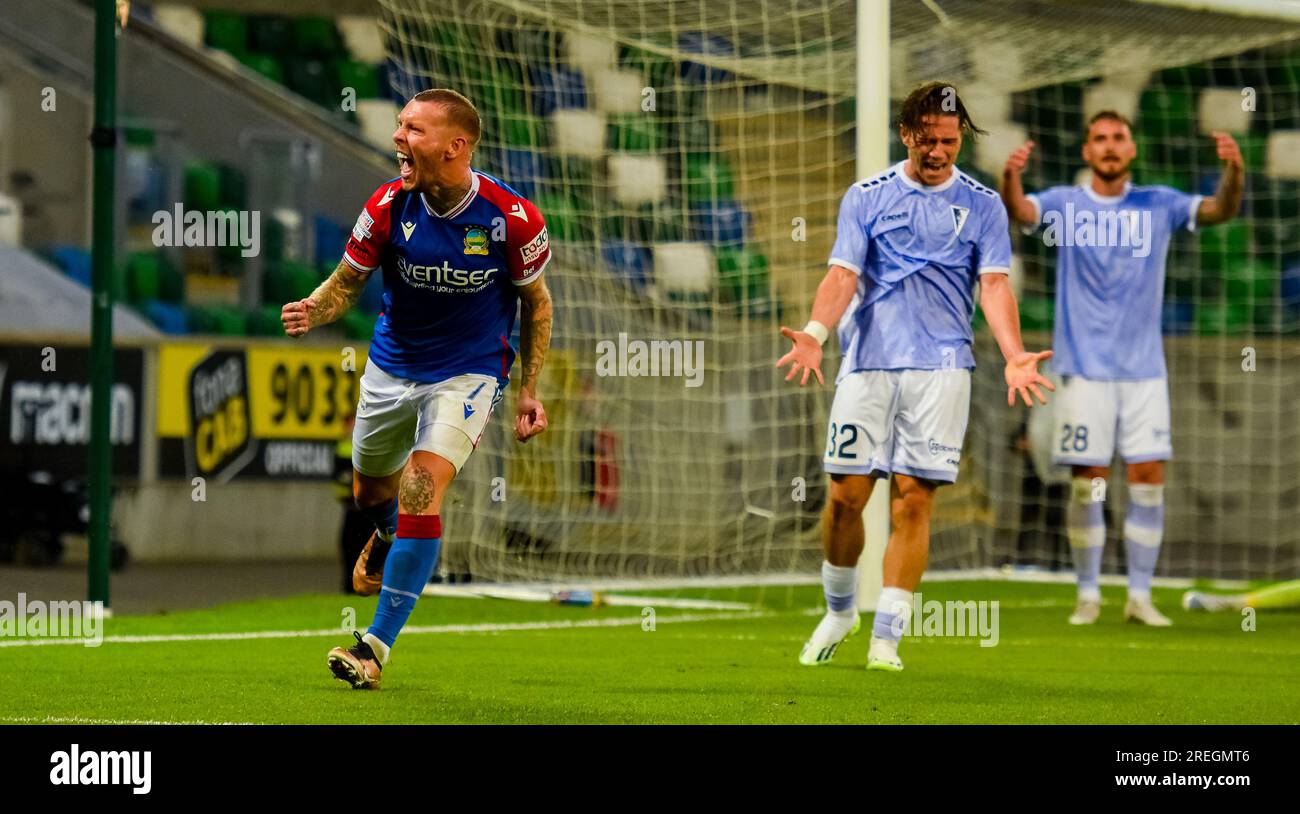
pixel 486 627
pixel 53 719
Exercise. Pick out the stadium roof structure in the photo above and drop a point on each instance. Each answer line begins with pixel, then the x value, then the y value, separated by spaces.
pixel 38 300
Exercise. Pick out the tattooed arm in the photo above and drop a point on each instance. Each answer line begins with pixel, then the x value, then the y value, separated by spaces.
pixel 534 340
pixel 330 301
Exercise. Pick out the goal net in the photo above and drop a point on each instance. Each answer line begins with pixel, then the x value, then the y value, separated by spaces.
pixel 689 159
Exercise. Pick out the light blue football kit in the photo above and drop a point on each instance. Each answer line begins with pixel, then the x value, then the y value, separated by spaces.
pixel 902 394
pixel 1110 278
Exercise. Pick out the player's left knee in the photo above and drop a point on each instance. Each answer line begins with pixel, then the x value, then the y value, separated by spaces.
pixel 1150 472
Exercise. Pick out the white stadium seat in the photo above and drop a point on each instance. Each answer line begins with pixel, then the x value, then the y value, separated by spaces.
pixel 378 119
pixel 686 268
pixel 991 151
pixel 185 24
pixel 617 91
pixel 638 178
pixel 1221 109
pixel 589 52
pixel 1109 95
pixel 363 38
pixel 1284 154
pixel 578 132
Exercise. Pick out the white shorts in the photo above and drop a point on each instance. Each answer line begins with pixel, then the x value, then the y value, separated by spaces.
pixel 396 416
pixel 1090 414
pixel 910 422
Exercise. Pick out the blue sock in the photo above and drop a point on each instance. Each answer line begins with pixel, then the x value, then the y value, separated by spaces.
pixel 410 562
pixel 384 516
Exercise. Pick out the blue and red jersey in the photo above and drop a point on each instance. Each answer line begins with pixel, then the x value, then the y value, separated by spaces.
pixel 450 279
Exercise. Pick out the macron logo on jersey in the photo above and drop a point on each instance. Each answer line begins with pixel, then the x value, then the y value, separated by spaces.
pixel 388 196
pixel 518 211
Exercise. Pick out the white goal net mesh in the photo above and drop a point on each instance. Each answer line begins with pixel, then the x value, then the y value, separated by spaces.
pixel 689 158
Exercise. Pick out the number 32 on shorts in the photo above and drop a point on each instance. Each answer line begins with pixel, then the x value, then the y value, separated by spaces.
pixel 1074 438
pixel 842 439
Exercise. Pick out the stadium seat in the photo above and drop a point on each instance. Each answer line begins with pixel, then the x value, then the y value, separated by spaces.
pixel 286 282
pixel 521 130
pixel 358 325
pixel 185 24
pixel 1219 318
pixel 563 214
pixel 378 119
pixel 143 277
pixel 73 261
pixel 166 317
pixel 1037 313
pixel 1221 109
pixel 1249 280
pixel 742 276
pixel 589 53
pixel 329 240
pixel 263 64
pixel 523 170
pixel 315 37
pixel 312 79
pixel 1122 99
pixel 1177 317
pixel 360 76
pixel 264 320
pixel 721 223
pixel 226 31
pixel 11 220
pixel 1221 243
pixel 683 268
pixel 271 35
pixel 656 70
pixel 631 264
pixel 707 178
pixel 578 132
pixel 617 90
pixel 1284 154
pixel 202 186
pixel 991 151
pixel 709 45
pixel 1165 112
pixel 556 88
pixel 362 38
pixel 634 132
pixel 638 179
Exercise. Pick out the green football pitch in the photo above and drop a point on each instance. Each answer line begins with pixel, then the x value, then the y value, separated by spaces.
pixel 498 661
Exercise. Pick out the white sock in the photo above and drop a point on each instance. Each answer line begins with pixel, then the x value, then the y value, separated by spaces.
pixel 840 585
pixel 381 649
pixel 893 614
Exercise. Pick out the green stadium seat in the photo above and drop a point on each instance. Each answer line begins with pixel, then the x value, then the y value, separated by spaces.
pixel 1164 112
pixel 226 31
pixel 202 185
pixel 656 70
pixel 1250 280
pixel 287 281
pixel 143 277
pixel 315 37
pixel 358 325
pixel 522 130
pixel 265 321
pixel 708 179
pixel 271 35
pixel 562 213
pixel 742 275
pixel 312 79
pixel 634 132
pixel 1217 318
pixel 1223 244
pixel 1036 313
pixel 359 76
pixel 264 64
pixel 171 281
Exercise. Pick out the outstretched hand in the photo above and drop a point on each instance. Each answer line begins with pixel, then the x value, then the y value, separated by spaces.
pixel 806 355
pixel 1023 377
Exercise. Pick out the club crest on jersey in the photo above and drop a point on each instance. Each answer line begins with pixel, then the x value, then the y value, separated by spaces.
pixel 959 214
pixel 476 240
pixel 408 229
